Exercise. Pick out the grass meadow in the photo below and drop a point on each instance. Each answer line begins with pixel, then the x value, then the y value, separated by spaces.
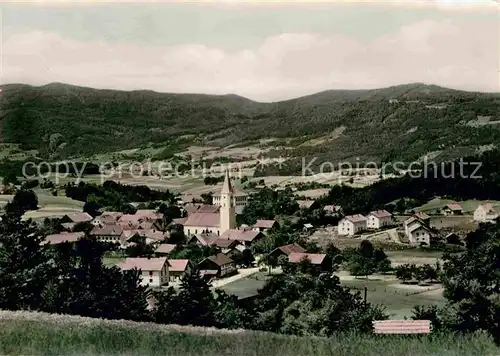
pixel 23 333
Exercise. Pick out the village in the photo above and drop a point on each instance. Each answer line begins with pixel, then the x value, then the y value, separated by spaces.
pixel 214 226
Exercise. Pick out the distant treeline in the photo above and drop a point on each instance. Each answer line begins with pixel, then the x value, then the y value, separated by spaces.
pixel 33 167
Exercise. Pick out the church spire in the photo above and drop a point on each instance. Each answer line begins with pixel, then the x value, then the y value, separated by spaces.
pixel 226 187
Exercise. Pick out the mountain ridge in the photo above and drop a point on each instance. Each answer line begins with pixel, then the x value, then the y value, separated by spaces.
pixel 403 121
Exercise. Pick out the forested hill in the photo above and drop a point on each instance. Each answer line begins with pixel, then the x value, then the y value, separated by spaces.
pixel 404 121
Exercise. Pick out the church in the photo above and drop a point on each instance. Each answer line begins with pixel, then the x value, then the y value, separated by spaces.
pixel 215 222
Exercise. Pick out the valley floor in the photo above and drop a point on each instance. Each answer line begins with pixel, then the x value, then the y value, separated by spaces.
pixel 24 333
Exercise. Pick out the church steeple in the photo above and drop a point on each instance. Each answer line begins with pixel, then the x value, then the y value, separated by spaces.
pixel 227 209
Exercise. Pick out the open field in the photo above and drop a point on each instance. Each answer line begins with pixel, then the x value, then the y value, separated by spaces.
pixel 416 256
pixel 399 299
pixel 23 333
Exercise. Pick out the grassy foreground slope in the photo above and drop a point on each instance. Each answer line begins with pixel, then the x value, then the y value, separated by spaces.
pixel 44 334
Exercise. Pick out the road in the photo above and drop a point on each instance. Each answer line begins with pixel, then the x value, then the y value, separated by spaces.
pixel 242 273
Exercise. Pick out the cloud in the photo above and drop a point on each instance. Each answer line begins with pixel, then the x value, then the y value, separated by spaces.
pixel 450 53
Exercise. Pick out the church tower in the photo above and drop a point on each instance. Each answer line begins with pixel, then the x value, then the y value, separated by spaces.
pixel 227 209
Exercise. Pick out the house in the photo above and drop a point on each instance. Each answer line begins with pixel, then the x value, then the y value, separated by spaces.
pixel 307 204
pixel 154 271
pixel 188 198
pixel 265 225
pixel 423 217
pixel 76 218
pixel 107 233
pixel 240 200
pixel 286 250
pixel 62 237
pixel 107 218
pixel 351 225
pixel 145 221
pixel 317 259
pixel 214 222
pixel 418 233
pixel 452 209
pixel 164 249
pixel 244 236
pixel 485 213
pixel 204 239
pixel 453 239
pixel 333 210
pixel 379 219
pixel 308 227
pixel 219 265
pixel 191 208
pixel 178 268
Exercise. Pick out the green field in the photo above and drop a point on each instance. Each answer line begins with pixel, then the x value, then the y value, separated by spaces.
pixel 398 302
pixel 23 333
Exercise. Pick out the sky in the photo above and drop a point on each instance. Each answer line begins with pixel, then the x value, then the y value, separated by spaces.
pixel 263 51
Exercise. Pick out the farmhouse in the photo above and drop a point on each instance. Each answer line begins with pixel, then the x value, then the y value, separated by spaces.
pixel 333 210
pixel 178 268
pixel 76 218
pixel 423 217
pixel 317 259
pixel 154 271
pixel 214 222
pixel 307 204
pixel 352 224
pixel 485 213
pixel 107 233
pixel 378 219
pixel 264 225
pixel 219 265
pixel 452 209
pixel 419 234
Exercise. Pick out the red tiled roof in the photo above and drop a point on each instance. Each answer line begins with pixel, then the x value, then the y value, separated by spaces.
pixel 143 263
pixel 177 265
pixel 205 239
pixel 62 237
pixel 179 221
pixel 332 208
pixel 454 206
pixel 291 248
pixel 355 218
pixel 68 226
pixel 240 235
pixel 381 214
pixel 220 259
pixel 422 215
pixel 107 230
pixel 488 208
pixel 165 248
pixel 315 258
pixel 203 220
pixel 148 214
pixel 79 217
pixel 224 243
pixel 265 224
